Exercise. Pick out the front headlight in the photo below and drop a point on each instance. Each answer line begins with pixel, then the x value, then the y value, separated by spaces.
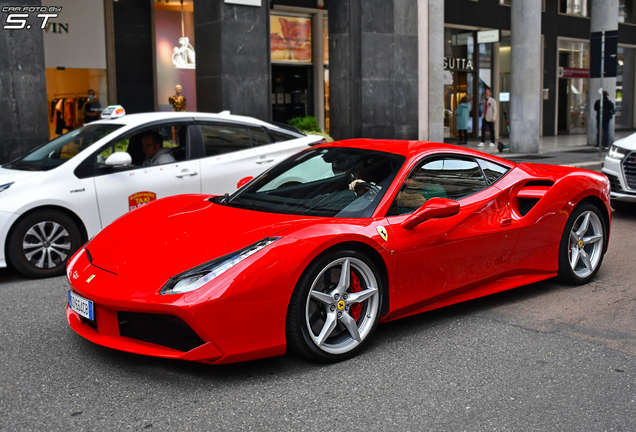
pixel 198 276
pixel 617 152
pixel 4 187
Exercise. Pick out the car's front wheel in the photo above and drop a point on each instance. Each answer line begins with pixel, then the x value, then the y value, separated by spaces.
pixel 335 307
pixel 41 243
pixel 582 245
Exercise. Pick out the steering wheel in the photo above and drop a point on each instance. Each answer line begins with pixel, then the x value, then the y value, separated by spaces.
pixel 372 188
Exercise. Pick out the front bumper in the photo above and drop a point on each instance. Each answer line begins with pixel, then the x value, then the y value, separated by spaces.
pixel 215 326
pixel 6 222
pixel 612 168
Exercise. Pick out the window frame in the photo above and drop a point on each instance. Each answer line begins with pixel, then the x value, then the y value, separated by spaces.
pixel 126 135
pixel 423 160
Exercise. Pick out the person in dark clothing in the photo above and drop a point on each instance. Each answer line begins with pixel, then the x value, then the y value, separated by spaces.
pixel 89 114
pixel 608 113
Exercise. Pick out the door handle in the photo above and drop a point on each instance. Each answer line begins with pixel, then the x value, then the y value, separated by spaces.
pixel 265 161
pixel 505 222
pixel 186 173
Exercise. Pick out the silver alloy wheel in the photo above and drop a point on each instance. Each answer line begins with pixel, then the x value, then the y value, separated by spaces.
pixel 46 244
pixel 586 244
pixel 328 312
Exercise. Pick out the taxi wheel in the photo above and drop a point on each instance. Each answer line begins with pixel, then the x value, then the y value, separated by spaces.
pixel 41 243
pixel 335 307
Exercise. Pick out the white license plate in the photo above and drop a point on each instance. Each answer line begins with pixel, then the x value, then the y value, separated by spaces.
pixel 81 305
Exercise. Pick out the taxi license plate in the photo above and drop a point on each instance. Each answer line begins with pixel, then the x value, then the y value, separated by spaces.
pixel 82 306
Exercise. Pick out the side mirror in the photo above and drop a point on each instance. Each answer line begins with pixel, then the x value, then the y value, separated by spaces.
pixel 119 159
pixel 434 208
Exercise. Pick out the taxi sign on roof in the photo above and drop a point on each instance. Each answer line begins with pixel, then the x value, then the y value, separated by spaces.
pixel 113 111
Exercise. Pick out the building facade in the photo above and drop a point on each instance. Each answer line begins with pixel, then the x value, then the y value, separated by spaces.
pixel 363 68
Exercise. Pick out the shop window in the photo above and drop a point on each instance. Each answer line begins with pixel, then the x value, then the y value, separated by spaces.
pixel 573 86
pixel 626 12
pixel 578 8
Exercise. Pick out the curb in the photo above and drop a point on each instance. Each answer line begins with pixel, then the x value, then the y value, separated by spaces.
pixel 592 166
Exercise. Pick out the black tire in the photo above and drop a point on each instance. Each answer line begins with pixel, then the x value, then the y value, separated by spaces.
pixel 340 344
pixel 34 261
pixel 623 207
pixel 583 270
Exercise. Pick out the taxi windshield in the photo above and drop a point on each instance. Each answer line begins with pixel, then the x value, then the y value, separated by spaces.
pixel 331 182
pixel 61 149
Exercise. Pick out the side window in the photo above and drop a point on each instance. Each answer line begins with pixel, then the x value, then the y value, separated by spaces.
pixel 280 136
pixel 221 139
pixel 259 136
pixel 157 146
pixel 444 177
pixel 492 171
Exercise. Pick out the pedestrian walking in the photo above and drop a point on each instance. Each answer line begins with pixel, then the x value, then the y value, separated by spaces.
pixel 488 118
pixel 461 114
pixel 608 113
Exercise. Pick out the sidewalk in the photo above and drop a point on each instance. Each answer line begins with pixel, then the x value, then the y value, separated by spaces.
pixel 569 150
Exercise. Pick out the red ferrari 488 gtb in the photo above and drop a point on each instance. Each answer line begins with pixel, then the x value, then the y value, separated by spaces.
pixel 314 253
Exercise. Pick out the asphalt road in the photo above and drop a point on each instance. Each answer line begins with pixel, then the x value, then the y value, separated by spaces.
pixel 543 357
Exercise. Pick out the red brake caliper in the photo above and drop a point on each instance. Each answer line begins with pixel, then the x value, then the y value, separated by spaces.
pixel 355 287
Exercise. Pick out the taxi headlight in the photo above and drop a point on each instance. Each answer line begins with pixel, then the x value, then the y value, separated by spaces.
pixel 617 152
pixel 198 276
pixel 6 186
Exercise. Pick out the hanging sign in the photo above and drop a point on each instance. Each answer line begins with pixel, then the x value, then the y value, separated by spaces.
pixel 245 2
pixel 488 36
pixel 566 72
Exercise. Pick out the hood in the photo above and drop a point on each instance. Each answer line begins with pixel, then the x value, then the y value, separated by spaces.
pixel 628 142
pixel 9 175
pixel 174 234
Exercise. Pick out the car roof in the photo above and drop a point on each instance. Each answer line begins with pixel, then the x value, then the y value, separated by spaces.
pixel 141 118
pixel 413 148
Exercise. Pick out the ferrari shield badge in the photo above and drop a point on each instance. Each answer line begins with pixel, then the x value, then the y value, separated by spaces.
pixel 90 279
pixel 383 233
pixel 140 198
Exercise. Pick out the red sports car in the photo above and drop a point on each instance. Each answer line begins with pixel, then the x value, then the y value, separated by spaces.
pixel 315 252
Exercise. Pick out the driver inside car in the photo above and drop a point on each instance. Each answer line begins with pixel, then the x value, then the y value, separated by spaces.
pixel 366 175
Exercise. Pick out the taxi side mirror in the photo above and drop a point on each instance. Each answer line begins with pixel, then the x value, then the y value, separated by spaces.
pixel 434 208
pixel 119 159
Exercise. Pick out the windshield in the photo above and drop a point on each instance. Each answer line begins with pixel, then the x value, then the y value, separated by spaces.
pixel 333 182
pixel 61 149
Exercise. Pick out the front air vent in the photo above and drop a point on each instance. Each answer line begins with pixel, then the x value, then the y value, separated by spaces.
pixel 615 183
pixel 629 169
pixel 166 330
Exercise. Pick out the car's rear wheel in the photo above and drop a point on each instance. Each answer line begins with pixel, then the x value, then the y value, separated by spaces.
pixel 335 307
pixel 582 245
pixel 41 243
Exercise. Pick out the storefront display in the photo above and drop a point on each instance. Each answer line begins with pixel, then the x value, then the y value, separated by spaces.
pixel 71 73
pixel 624 104
pixel 175 53
pixel 573 71
pixel 292 70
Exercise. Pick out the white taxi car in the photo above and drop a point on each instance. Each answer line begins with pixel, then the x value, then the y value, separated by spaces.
pixel 56 197
pixel 620 167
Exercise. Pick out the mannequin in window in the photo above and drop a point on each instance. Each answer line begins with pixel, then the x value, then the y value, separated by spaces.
pixel 177 101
